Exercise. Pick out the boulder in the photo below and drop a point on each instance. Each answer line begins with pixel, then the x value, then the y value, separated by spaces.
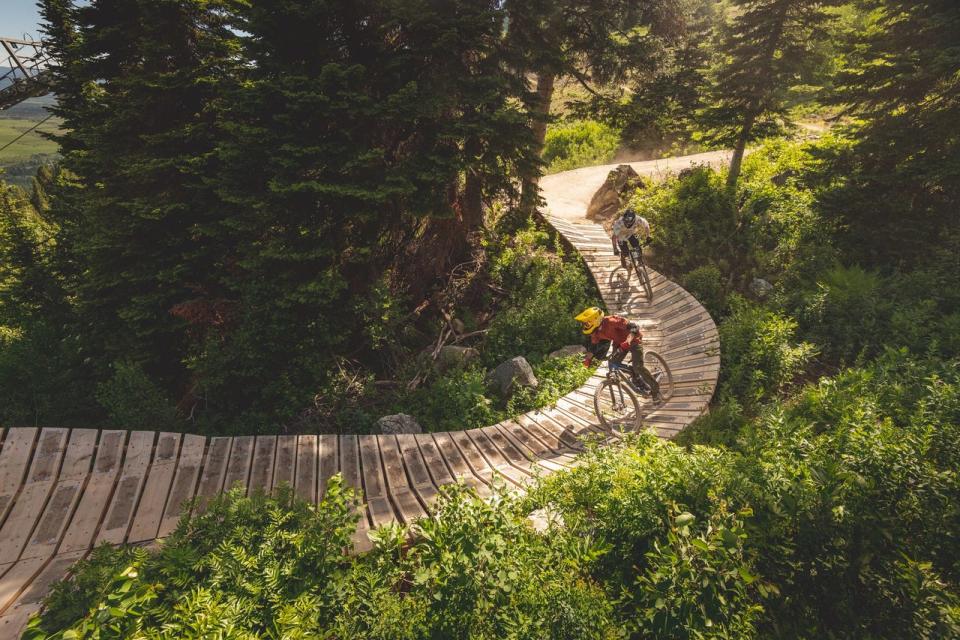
pixel 569 350
pixel 760 287
pixel 451 356
pixel 610 198
pixel 510 375
pixel 398 423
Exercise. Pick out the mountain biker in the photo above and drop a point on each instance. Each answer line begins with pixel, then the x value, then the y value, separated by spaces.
pixel 626 338
pixel 624 234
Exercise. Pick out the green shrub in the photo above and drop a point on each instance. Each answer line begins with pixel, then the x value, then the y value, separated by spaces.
pixel 545 292
pixel 579 144
pixel 133 401
pixel 843 314
pixel 706 285
pixel 453 401
pixel 710 563
pixel 847 510
pixel 759 354
pixel 262 567
pixel 694 222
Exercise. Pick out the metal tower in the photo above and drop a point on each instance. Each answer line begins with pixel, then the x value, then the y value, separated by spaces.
pixel 24 71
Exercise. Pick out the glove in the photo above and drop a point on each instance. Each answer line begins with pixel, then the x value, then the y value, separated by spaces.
pixel 624 346
pixel 587 361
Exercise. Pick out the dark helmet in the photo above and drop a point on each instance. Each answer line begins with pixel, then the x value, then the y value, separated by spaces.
pixel 629 217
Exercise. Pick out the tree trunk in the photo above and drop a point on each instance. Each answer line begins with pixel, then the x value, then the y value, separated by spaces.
pixel 541 111
pixel 738 150
pixel 472 209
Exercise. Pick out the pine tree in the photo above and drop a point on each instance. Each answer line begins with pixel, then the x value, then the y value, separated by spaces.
pixel 765 51
pixel 897 185
pixel 363 142
pixel 135 82
pixel 587 40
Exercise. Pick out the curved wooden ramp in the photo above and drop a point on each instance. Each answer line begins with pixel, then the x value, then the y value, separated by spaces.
pixel 64 491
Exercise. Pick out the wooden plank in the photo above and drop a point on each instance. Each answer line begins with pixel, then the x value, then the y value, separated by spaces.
pixel 16 616
pixel 16 579
pixel 306 483
pixel 286 464
pixel 66 494
pixel 440 474
pixel 30 503
pixel 406 502
pixel 264 453
pixel 238 468
pixel 497 459
pixel 153 500
pixel 416 466
pixel 472 455
pixel 214 472
pixel 328 462
pixel 96 495
pixel 184 482
pixel 374 484
pixel 14 461
pixel 127 493
pixel 458 464
pixel 349 449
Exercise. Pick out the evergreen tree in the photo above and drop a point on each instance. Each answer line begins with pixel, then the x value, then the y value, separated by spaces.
pixel 766 50
pixel 661 91
pixel 587 40
pixel 897 184
pixel 363 142
pixel 135 82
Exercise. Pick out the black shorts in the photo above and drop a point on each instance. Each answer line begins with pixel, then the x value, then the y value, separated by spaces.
pixel 634 242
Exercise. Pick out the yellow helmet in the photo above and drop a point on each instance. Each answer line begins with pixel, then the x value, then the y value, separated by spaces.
pixel 590 319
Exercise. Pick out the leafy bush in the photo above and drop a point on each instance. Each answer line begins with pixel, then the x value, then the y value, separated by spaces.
pixel 706 285
pixel 275 568
pixel 133 401
pixel 759 353
pixel 843 314
pixel 848 506
pixel 694 221
pixel 545 292
pixel 579 144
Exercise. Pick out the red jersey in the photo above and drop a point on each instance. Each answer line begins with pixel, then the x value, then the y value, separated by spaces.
pixel 615 329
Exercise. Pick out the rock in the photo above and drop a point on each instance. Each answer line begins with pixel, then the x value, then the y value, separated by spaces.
pixel 569 350
pixel 542 519
pixel 458 325
pixel 511 374
pixel 398 423
pixel 609 199
pixel 451 356
pixel 760 287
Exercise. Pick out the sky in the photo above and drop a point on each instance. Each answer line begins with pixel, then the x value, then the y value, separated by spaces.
pixel 18 17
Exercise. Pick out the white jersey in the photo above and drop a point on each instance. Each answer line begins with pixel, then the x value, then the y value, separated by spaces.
pixel 621 232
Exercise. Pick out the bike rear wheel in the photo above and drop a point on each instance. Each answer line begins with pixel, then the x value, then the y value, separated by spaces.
pixel 658 368
pixel 617 405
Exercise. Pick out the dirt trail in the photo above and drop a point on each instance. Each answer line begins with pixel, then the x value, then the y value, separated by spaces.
pixel 569 193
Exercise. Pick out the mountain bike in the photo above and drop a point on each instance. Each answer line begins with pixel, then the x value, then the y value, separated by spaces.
pixel 636 257
pixel 616 401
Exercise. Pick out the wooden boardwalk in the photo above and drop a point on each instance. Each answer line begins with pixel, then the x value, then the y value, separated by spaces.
pixel 64 491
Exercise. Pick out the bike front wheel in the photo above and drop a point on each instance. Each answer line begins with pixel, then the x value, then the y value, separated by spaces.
pixel 641 269
pixel 616 405
pixel 657 366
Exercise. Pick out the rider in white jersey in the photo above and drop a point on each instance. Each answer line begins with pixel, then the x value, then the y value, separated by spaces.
pixel 625 230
